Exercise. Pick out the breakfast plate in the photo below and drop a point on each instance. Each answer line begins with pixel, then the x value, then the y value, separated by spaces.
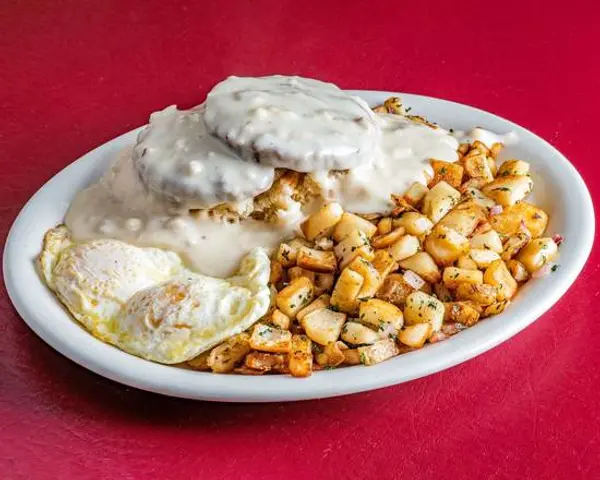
pixel 559 191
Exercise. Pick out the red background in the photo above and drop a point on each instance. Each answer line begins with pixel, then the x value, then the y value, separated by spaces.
pixel 74 74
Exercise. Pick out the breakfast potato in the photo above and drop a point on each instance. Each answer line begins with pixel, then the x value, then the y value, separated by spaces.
pixel 405 247
pixel 371 277
pixel 378 352
pixel 518 270
pixel 324 243
pixel 479 293
pixel 277 273
pixel 442 292
pixel 384 263
pixel 415 194
pixel 224 357
pixel 358 334
pixel 513 167
pixel 495 149
pixel 346 290
pixel 423 264
pixel 375 311
pixel 322 222
pixel 451 173
pixel 286 255
pixel 355 244
pixel 280 320
pixel 320 302
pixel 300 358
pixel 446 245
pixel 497 275
pixel 388 239
pixel 266 362
pixel 483 257
pixel 534 218
pixel 508 190
pixel 423 308
pixel 477 197
pixel 439 201
pixel 415 335
pixel 454 276
pixel 350 223
pixel 489 240
pixel 478 166
pixel 323 326
pixel 351 356
pixel 514 244
pixel 460 312
pixel 332 355
pixel 537 253
pixel 495 308
pixel 479 146
pixel 316 260
pixel 295 296
pixel 466 262
pixel 384 226
pixel 270 339
pixel 324 283
pixel 414 223
pixel 200 362
pixel 395 290
pixel 464 218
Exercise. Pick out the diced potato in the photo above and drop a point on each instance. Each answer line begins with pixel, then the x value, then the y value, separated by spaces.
pixel 350 223
pixel 300 357
pixel 482 228
pixel 451 173
pixel 370 275
pixel 463 148
pixel 357 334
pixel 513 167
pixel 321 302
pixel 266 361
pixel 324 283
pixel 323 326
pixel 324 243
pixel 351 357
pixel 442 292
pixel 506 223
pixel 453 277
pixel 514 244
pixel 378 352
pixel 270 339
pixel 498 275
pixel 200 362
pixel 464 218
pixel 277 273
pixel 495 149
pixel 472 183
pixel 295 296
pixel 517 270
pixel 489 240
pixel 439 201
pixel 280 319
pixel 414 223
pixel 286 255
pixel 355 244
pixel 332 355
pixel 495 308
pixel 375 312
pixel 384 263
pixel 508 190
pixel 446 245
pixel 415 194
pixel 384 226
pixel 461 312
pixel 395 290
pixel 224 357
pixel 483 257
pixel 346 290
pixel 296 272
pixel 423 308
pixel 322 222
pixel 406 247
pixel 388 239
pixel 479 146
pixel 423 264
pixel 316 260
pixel 479 293
pixel 535 219
pixel 537 253
pixel 415 335
pixel 478 166
pixel 478 197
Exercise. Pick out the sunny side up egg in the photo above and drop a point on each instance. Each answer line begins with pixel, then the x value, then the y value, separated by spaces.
pixel 144 300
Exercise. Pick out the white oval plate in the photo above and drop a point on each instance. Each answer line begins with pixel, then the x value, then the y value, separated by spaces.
pixel 558 189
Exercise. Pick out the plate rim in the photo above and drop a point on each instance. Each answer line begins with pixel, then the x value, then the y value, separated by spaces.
pixel 190 384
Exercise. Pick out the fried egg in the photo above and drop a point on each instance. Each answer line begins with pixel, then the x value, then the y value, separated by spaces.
pixel 146 302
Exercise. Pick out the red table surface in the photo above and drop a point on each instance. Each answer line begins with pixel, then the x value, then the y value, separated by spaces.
pixel 74 74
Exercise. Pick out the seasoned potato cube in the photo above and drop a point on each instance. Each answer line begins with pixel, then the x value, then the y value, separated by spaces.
pixel 451 173
pixel 266 361
pixel 414 223
pixel 323 326
pixel 439 201
pixel 355 244
pixel 300 357
pixel 378 352
pixel 463 148
pixel 346 290
pixel 415 194
pixel 446 245
pixel 270 339
pixel 406 247
pixel 489 240
pixel 384 263
pixel 384 226
pixel 535 219
pixel 495 149
pixel 297 272
pixel 423 308
pixel 498 275
pixel 514 244
pixel 466 262
pixel 517 270
pixel 200 362
pixel 461 312
pixel 384 241
pixel 276 275
pixel 324 243
pixel 280 319
pixel 495 308
pixel 286 255
pixel 371 277
pixel 324 282
pixel 442 292
pixel 478 198
pixel 375 312
pixel 350 223
pixel 322 222
pixel 478 166
pixel 482 257
pixel 464 218
pixel 295 296
pixel 480 293
pixel 395 290
pixel 415 335
pixel 224 357
pixel 351 356
pixel 332 355
pixel 316 260
pixel 453 277
pixel 480 147
pixel 357 334
pixel 319 303
pixel 508 190
pixel 423 264
pixel 513 167
pixel 506 223
pixel 537 253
